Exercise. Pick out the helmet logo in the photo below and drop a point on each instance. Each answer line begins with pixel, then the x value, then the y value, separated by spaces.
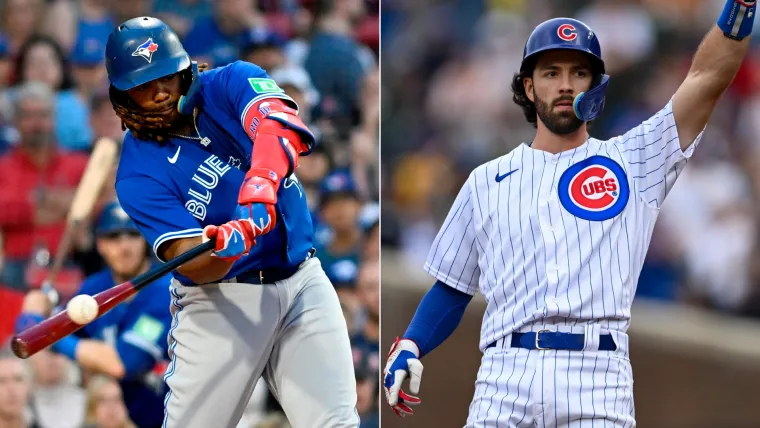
pixel 567 32
pixel 146 49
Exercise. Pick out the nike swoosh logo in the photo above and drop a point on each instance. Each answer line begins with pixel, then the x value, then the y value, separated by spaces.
pixel 502 177
pixel 176 155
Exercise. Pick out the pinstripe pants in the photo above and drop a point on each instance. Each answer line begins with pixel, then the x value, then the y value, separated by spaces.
pixel 547 389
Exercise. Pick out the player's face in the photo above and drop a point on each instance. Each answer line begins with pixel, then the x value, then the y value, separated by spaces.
pixel 14 389
pixel 159 96
pixel 559 76
pixel 124 252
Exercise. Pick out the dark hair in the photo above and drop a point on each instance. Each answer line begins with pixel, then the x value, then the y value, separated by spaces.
pixel 521 98
pixel 323 7
pixel 133 118
pixel 67 81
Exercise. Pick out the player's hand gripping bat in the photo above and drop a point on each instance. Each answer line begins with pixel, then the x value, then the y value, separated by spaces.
pixel 88 191
pixel 44 334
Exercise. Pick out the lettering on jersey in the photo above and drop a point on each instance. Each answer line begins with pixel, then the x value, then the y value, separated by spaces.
pixel 264 109
pixel 594 189
pixel 207 176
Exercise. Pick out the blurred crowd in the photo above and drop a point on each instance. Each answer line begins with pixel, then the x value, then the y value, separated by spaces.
pixel 54 106
pixel 447 107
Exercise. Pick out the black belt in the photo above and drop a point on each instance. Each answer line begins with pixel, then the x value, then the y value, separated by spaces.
pixel 546 339
pixel 269 276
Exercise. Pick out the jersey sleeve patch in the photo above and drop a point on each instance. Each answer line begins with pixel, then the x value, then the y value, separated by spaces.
pixel 148 328
pixel 264 86
pixel 145 334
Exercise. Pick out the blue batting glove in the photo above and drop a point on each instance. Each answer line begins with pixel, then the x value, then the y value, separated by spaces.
pixel 262 216
pixel 403 361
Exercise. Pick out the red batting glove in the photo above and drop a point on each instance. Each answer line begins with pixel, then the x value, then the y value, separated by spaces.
pixel 233 239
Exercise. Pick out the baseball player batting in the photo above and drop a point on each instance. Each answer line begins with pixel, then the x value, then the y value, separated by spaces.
pixel 554 235
pixel 210 155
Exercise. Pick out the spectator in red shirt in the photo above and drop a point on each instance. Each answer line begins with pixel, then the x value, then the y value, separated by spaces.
pixel 37 181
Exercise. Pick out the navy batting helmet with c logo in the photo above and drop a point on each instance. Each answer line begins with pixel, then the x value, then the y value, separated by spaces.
pixel 570 34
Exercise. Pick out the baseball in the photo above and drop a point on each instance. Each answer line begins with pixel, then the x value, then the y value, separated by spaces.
pixel 82 309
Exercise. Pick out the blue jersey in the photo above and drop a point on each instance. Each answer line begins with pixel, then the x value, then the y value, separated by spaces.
pixel 173 190
pixel 138 330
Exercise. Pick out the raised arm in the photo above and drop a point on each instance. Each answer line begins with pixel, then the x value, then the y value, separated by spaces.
pixel 713 68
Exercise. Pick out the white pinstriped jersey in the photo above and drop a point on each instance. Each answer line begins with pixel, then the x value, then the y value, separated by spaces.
pixel 560 239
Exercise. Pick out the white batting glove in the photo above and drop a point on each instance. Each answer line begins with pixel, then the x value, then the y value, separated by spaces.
pixel 403 361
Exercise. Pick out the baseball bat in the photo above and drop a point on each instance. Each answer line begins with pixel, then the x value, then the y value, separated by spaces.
pixel 88 191
pixel 46 333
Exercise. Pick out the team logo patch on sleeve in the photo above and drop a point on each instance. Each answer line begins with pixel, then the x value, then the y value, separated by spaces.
pixel 594 189
pixel 264 86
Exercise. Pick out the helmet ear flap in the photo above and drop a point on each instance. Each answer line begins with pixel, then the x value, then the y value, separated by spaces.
pixel 587 105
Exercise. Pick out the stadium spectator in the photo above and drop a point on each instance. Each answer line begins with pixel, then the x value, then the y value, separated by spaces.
pixel 124 10
pixel 335 60
pixel 264 48
pixel 20 19
pixel 366 344
pixel 38 183
pixel 105 404
pixel 216 39
pixel 57 402
pixel 339 210
pixel 181 14
pixel 15 392
pixel 88 68
pixel 367 396
pixel 77 25
pixel 41 59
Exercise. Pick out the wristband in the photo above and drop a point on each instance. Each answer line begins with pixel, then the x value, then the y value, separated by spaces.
pixel 737 18
pixel 27 320
pixel 67 346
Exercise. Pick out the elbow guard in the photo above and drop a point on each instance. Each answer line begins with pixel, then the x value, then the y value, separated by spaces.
pixel 273 126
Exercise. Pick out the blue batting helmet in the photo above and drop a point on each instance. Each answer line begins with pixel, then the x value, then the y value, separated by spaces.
pixel 570 34
pixel 143 49
pixel 114 219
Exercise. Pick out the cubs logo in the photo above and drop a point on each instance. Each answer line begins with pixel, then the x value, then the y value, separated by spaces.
pixel 146 50
pixel 567 32
pixel 594 189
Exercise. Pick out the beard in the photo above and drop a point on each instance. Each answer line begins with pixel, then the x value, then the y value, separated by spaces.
pixel 37 140
pixel 560 123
